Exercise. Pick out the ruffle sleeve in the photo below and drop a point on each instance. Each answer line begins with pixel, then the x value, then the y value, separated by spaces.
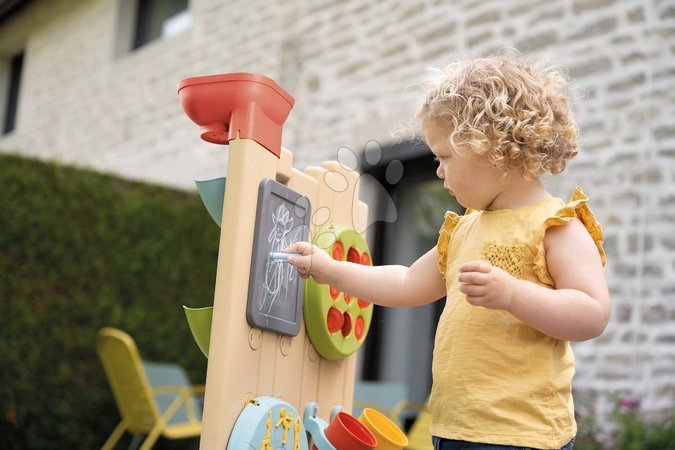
pixel 577 208
pixel 444 236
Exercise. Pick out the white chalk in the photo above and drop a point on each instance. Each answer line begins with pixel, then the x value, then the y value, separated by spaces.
pixel 282 257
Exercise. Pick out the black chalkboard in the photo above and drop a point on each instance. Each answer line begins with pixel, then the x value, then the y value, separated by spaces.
pixel 275 290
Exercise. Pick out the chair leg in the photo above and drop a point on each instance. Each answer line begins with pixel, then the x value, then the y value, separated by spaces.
pixel 153 436
pixel 115 436
pixel 135 442
pixel 161 423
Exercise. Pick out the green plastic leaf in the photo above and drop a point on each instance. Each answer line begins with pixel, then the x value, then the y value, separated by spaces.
pixel 199 320
pixel 212 193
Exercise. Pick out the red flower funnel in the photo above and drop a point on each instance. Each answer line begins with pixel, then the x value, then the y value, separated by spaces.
pixel 237 105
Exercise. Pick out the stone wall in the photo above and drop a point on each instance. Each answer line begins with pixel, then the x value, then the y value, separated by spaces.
pixel 353 67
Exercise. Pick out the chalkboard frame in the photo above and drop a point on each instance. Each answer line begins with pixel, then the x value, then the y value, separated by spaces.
pixel 271 195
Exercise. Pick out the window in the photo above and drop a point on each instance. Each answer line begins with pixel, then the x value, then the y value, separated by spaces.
pixel 400 341
pixel 160 19
pixel 15 67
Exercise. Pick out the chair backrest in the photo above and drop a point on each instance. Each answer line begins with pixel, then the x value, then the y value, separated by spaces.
pixel 128 381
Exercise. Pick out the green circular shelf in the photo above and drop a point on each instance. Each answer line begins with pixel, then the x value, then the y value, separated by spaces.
pixel 337 324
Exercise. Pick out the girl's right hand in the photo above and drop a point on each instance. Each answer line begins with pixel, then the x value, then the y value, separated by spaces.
pixel 314 261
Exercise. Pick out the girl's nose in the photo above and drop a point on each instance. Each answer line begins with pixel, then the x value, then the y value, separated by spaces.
pixel 439 172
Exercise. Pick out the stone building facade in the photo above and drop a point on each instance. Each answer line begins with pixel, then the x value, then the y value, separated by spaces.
pixel 353 67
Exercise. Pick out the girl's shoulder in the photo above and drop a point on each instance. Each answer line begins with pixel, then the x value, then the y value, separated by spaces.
pixel 576 209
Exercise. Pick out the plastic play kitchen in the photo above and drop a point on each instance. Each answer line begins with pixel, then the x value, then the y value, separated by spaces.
pixel 277 346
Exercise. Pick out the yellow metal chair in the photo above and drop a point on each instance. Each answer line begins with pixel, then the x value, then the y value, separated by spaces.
pixel 387 397
pixel 148 405
pixel 419 437
pixel 391 399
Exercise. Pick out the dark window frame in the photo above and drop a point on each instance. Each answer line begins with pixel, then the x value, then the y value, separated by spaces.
pixel 13 88
pixel 145 9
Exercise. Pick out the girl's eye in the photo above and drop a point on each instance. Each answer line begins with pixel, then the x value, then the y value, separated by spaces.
pixel 440 158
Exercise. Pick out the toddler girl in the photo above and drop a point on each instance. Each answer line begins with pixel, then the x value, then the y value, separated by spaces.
pixel 522 270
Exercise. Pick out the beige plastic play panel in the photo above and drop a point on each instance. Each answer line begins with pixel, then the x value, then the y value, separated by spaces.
pixel 246 362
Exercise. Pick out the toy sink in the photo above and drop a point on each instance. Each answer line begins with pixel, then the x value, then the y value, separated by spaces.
pixel 237 106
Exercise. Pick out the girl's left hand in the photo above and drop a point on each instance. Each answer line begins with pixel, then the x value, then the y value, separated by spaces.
pixel 487 286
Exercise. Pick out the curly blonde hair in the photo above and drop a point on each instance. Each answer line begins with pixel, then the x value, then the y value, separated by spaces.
pixel 518 114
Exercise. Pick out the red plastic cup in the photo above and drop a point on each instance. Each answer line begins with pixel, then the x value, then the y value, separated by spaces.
pixel 345 432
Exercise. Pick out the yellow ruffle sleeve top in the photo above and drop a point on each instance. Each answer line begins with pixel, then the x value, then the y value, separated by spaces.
pixel 497 380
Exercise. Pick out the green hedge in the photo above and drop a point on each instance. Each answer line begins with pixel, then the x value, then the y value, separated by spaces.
pixel 79 251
